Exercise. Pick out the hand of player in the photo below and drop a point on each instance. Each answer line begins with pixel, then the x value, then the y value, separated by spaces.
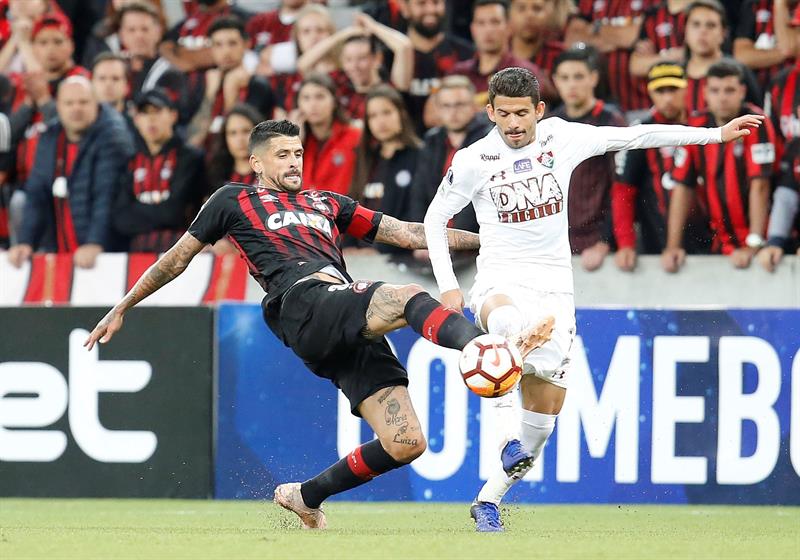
pixel 625 259
pixel 453 299
pixel 105 329
pixel 672 258
pixel 770 257
pixel 86 255
pixel 593 257
pixel 740 127
pixel 18 254
pixel 741 258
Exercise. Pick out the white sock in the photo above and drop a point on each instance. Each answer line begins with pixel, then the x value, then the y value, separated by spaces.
pixel 506 320
pixel 536 428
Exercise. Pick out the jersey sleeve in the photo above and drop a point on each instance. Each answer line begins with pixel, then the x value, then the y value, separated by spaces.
pixel 355 220
pixel 215 219
pixel 760 153
pixel 601 139
pixel 786 199
pixel 684 170
pixel 455 191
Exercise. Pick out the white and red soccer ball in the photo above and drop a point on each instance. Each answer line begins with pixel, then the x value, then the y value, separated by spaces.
pixel 490 365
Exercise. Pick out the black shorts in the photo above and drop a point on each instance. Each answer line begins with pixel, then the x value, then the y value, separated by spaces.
pixel 323 324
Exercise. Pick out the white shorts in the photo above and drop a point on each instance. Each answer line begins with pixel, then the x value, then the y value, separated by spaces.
pixel 551 361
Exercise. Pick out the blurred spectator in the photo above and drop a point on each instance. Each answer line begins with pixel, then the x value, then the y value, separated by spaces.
pixel 590 233
pixel 165 179
pixel 275 26
pixel 79 162
pixel 5 187
pixel 48 61
pixel 783 234
pixel 735 176
pixel 387 157
pixel 612 28
pixel 229 161
pixel 461 126
pixel 641 191
pixel 106 36
pixel 782 102
pixel 361 60
pixel 492 33
pixel 110 81
pixel 661 36
pixel 764 41
pixel 706 26
pixel 313 25
pixel 435 53
pixel 228 82
pixel 329 139
pixel 390 13
pixel 16 30
pixel 186 45
pixel 537 27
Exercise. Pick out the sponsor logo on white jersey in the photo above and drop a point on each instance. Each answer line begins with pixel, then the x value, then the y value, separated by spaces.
pixel 531 199
pixel 490 157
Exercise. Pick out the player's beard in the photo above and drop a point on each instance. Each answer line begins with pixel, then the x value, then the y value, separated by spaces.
pixel 523 140
pixel 287 183
pixel 427 31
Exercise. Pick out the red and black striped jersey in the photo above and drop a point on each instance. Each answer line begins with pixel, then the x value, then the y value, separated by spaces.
pixel 629 90
pixel 695 94
pixel 66 154
pixel 782 103
pixel 663 28
pixel 725 172
pixel 789 177
pixel 284 236
pixel 191 33
pixel 267 28
pixel 757 23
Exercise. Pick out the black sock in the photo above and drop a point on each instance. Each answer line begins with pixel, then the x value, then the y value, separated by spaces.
pixel 441 326
pixel 361 465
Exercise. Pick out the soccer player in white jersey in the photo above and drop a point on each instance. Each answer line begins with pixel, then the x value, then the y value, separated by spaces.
pixel 517 178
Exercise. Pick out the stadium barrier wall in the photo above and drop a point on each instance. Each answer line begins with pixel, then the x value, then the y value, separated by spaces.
pixel 129 419
pixel 663 407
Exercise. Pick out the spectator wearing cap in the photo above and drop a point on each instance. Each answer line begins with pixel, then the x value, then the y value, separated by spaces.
pixel 229 160
pixel 735 177
pixel 612 28
pixel 436 52
pixel 186 45
pixel 361 60
pixel 69 194
pixel 461 126
pixel 491 33
pixel 330 141
pixel 48 61
pixel 641 190
pixel 165 180
pixel 782 102
pixel 228 82
pixel 590 232
pixel 274 26
pixel 764 38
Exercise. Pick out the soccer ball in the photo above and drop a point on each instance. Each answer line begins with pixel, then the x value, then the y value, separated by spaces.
pixel 490 365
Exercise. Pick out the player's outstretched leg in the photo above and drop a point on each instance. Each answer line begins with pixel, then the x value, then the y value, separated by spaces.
pixel 400 440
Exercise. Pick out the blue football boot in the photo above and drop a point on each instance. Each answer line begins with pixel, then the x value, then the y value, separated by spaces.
pixel 487 517
pixel 516 459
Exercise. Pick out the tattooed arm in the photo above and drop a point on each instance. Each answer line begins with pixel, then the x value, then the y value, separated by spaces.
pixel 163 271
pixel 411 235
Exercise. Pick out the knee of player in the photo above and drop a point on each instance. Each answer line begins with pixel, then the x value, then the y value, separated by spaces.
pixel 410 290
pixel 405 449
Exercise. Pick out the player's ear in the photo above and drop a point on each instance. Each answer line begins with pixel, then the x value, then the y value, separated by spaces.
pixel 490 112
pixel 540 107
pixel 256 165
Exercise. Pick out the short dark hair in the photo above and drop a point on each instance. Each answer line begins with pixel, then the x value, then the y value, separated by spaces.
pixel 578 53
pixel 109 56
pixel 368 39
pixel 514 82
pixel 265 131
pixel 725 68
pixel 713 5
pixel 139 8
pixel 482 3
pixel 227 22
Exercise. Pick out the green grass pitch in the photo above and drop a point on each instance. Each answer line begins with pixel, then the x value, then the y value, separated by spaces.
pixel 172 529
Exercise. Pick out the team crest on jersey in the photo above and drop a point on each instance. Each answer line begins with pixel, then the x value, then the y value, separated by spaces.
pixel 523 201
pixel 523 165
pixel 546 159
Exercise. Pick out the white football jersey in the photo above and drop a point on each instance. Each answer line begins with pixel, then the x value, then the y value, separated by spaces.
pixel 520 196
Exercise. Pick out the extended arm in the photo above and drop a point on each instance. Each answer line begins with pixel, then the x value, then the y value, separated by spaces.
pixel 163 271
pixel 411 235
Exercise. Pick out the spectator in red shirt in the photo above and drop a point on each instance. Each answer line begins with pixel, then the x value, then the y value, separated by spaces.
pixel 735 176
pixel 491 32
pixel 590 234
pixel 782 102
pixel 536 30
pixel 165 179
pixel 230 156
pixel 661 36
pixel 268 28
pixel 330 141
pixel 361 61
pixel 228 82
pixel 16 32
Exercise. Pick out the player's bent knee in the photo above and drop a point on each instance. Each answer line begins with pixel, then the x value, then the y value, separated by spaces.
pixel 410 290
pixel 405 448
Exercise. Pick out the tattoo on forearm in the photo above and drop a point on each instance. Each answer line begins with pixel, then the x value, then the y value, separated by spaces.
pixel 463 240
pixel 411 235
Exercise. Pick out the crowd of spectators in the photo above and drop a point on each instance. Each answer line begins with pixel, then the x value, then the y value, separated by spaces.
pixel 116 123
